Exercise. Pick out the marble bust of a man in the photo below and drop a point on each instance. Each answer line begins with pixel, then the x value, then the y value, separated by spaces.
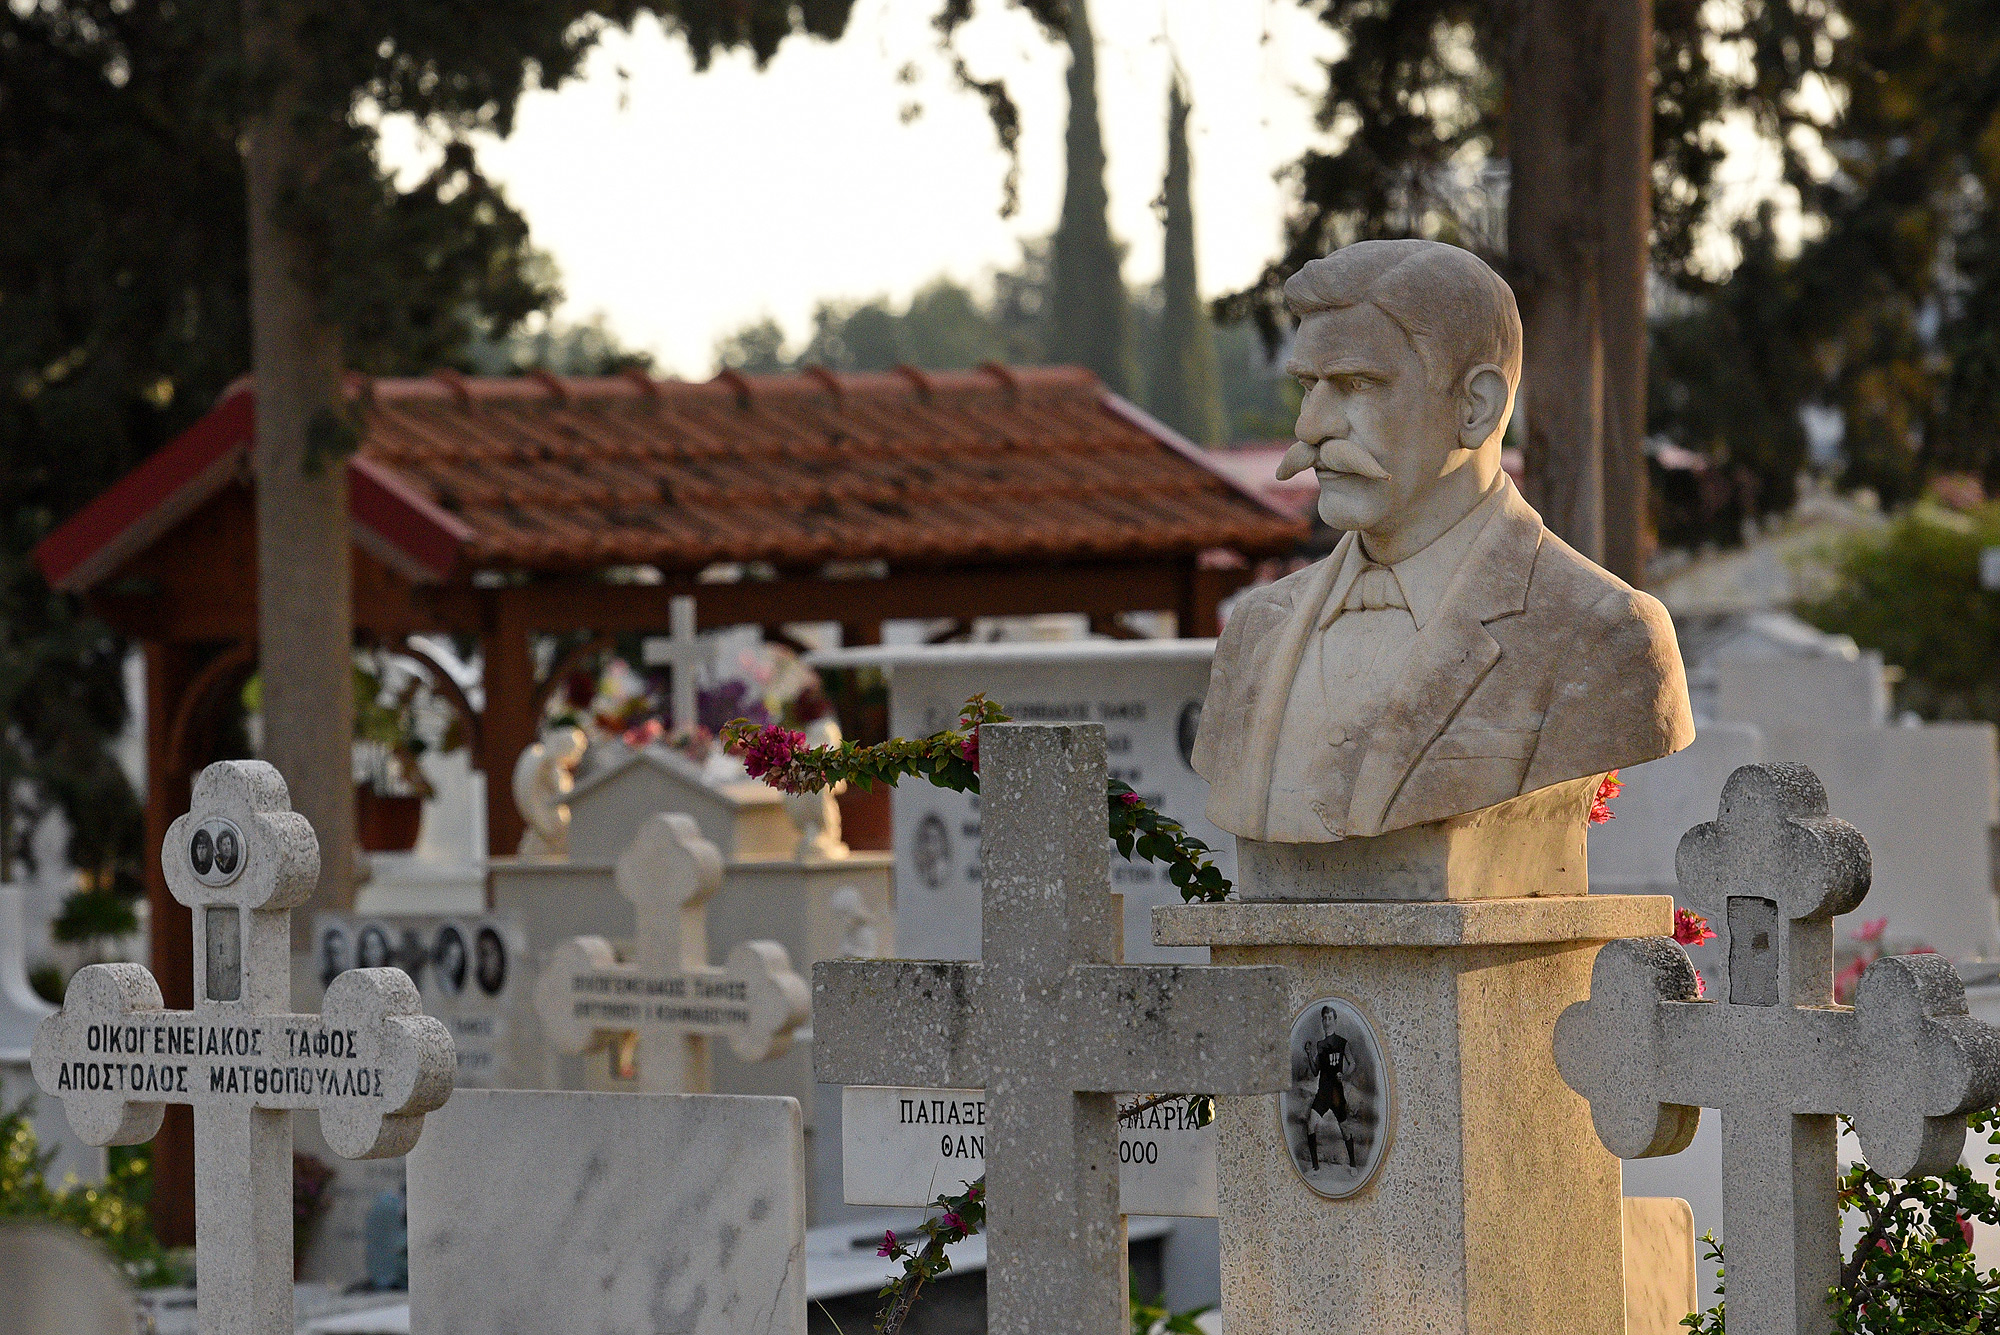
pixel 1451 653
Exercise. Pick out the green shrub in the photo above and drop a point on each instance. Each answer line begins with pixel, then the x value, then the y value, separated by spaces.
pixel 112 1211
pixel 1912 591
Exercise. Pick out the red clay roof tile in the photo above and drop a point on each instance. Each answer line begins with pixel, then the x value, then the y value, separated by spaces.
pixel 937 468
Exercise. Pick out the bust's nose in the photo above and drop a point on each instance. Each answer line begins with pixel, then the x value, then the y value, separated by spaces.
pixel 1321 415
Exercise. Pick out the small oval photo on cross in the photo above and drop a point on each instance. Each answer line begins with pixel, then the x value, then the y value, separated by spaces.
pixel 227 850
pixel 201 852
pixel 450 958
pixel 1336 1114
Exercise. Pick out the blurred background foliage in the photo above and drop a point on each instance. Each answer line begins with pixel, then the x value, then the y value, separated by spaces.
pixel 1913 590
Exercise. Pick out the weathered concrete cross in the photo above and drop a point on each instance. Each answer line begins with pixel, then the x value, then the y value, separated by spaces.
pixel 372 1063
pixel 1771 1050
pixel 1052 1027
pixel 669 998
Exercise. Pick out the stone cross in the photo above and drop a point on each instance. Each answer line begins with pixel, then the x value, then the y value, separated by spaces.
pixel 1769 1048
pixel 1053 1028
pixel 669 998
pixel 371 1062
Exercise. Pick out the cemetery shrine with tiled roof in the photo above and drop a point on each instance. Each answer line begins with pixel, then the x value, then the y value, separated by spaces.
pixel 510 508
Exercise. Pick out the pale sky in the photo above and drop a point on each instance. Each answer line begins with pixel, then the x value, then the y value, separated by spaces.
pixel 682 206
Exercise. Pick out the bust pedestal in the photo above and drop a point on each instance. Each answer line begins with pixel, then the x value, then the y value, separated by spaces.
pixel 1492 1206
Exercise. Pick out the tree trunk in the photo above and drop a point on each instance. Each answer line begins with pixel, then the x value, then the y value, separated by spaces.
pixel 1554 255
pixel 1626 216
pixel 304 594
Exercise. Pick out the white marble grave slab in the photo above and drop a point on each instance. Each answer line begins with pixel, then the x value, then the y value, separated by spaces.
pixel 570 1213
pixel 1633 852
pixel 906 1146
pixel 1148 695
pixel 1926 799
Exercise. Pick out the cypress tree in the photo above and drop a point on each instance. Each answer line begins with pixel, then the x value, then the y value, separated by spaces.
pixel 1181 387
pixel 1089 322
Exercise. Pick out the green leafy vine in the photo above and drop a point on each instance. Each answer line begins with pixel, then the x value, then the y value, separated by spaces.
pixel 950 759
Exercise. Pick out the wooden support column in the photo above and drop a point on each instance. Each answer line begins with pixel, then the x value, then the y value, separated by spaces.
pixel 1203 591
pixel 509 723
pixel 170 670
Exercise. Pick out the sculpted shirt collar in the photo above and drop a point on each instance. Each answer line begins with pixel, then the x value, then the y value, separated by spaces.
pixel 1424 575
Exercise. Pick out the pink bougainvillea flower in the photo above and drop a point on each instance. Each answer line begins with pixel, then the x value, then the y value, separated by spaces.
pixel 771 749
pixel 888 1247
pixel 1921 950
pixel 1844 982
pixel 1600 805
pixel 1129 799
pixel 951 1220
pixel 1871 930
pixel 1700 985
pixel 1965 1229
pixel 969 750
pixel 1690 928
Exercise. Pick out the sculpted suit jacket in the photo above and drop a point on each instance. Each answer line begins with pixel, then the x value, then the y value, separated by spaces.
pixel 1537 667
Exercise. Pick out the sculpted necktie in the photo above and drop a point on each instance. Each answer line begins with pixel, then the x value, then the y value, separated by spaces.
pixel 1374 588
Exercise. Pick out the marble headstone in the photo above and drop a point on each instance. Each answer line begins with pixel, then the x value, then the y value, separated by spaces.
pixel 1148 696
pixel 471 970
pixel 643 1212
pixel 742 817
pixel 473 975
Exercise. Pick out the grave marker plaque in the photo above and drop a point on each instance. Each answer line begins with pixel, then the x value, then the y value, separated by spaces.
pixel 903 1146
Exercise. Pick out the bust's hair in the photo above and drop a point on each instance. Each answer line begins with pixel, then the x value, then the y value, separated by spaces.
pixel 1455 310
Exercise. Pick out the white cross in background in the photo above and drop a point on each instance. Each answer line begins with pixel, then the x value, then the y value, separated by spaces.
pixel 669 998
pixel 371 1062
pixel 683 654
pixel 1771 1050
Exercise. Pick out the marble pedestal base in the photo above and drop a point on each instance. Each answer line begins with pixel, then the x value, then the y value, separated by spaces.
pixel 1494 1208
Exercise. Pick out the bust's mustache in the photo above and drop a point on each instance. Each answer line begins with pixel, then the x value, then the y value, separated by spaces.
pixel 1335 456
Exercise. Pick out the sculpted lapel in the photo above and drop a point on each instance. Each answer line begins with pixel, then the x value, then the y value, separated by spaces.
pixel 1274 663
pixel 1449 657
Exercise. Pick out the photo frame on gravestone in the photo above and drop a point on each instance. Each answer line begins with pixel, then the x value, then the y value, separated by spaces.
pixel 490 960
pixel 1337 1116
pixel 372 946
pixel 336 952
pixel 450 958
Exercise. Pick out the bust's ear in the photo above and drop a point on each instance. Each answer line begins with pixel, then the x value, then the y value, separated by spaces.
pixel 1483 403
